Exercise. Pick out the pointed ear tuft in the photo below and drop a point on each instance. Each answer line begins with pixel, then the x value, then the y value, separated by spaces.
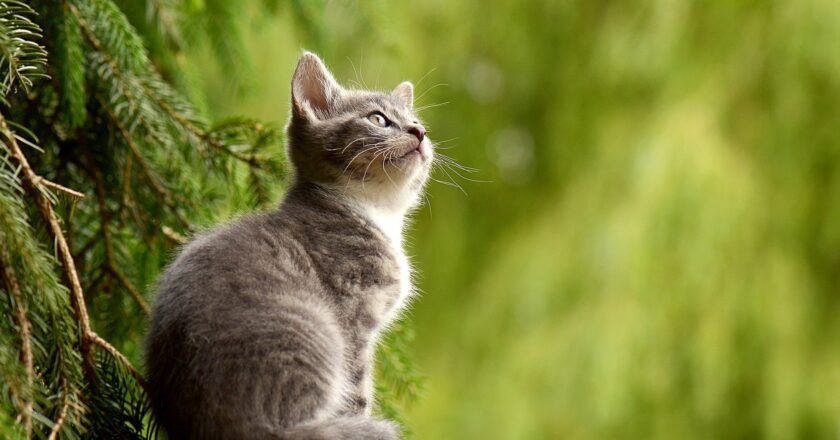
pixel 405 92
pixel 314 87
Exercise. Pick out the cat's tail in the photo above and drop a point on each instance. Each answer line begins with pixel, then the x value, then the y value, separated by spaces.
pixel 344 428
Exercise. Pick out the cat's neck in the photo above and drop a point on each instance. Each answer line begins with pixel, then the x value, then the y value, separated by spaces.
pixel 387 211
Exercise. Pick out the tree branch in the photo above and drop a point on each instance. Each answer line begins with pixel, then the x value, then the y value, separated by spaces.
pixel 11 282
pixel 32 184
pixel 165 195
pixel 88 337
pixel 96 339
pixel 105 218
pixel 62 415
pixel 62 188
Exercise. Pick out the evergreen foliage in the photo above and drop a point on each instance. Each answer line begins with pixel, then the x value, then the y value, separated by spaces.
pixel 106 167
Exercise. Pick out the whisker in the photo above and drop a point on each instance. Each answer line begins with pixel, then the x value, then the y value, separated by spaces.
pixel 426 107
pixel 372 160
pixel 417 99
pixel 388 175
pixel 446 159
pixel 368 148
pixel 420 81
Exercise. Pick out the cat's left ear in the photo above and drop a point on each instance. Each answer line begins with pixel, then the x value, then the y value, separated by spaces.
pixel 405 93
pixel 313 87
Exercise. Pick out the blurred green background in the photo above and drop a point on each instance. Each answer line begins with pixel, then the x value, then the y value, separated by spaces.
pixel 656 251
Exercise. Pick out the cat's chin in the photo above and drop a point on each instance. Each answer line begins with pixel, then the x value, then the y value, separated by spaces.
pixel 421 152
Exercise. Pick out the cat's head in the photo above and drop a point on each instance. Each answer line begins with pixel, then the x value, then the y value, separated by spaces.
pixel 367 143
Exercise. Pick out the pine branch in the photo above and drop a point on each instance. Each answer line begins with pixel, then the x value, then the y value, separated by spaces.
pixel 11 282
pixel 36 191
pixel 62 188
pixel 165 195
pixel 68 71
pixel 21 57
pixel 104 219
pixel 62 415
pixel 96 339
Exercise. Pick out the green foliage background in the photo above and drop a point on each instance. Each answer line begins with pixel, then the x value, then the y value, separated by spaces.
pixel 655 252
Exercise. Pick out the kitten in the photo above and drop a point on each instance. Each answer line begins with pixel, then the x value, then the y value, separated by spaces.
pixel 266 327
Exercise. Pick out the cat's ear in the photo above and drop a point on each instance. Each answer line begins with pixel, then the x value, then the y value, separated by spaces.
pixel 405 92
pixel 313 87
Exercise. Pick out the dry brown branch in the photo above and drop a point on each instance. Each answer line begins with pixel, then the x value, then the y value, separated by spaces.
pixel 11 282
pixel 62 188
pixel 88 337
pixel 96 339
pixel 31 184
pixel 173 236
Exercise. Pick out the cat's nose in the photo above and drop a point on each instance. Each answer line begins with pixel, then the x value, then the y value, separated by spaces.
pixel 418 131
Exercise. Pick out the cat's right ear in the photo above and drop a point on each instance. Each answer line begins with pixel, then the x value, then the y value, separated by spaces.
pixel 314 90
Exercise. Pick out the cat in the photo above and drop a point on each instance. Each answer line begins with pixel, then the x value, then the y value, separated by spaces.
pixel 266 327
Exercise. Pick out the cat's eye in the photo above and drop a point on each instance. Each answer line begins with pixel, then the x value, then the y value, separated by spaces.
pixel 379 120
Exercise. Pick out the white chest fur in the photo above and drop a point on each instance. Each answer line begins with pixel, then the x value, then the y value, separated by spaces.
pixel 392 224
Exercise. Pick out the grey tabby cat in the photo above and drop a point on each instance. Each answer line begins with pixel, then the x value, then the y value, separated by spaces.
pixel 265 328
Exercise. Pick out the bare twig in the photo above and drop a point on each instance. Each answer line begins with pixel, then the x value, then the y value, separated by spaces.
pixel 11 282
pixel 62 188
pixel 173 236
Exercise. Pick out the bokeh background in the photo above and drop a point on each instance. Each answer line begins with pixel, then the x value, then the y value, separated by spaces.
pixel 654 248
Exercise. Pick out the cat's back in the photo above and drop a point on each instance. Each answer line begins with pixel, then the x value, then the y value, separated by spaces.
pixel 256 256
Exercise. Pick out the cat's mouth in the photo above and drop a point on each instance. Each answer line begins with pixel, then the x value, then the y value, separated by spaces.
pixel 416 151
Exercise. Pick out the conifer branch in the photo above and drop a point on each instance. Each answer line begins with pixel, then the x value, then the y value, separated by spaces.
pixel 125 197
pixel 22 59
pixel 165 195
pixel 62 188
pixel 96 339
pixel 33 186
pixel 104 218
pixel 11 282
pixel 62 415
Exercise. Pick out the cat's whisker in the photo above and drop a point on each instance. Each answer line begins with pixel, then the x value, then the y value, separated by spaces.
pixel 364 176
pixel 376 138
pixel 366 149
pixel 454 167
pixel 420 81
pixel 445 141
pixel 417 99
pixel 389 176
pixel 453 181
pixel 426 107
pixel 442 158
pixel 372 160
pixel 444 182
pixel 359 80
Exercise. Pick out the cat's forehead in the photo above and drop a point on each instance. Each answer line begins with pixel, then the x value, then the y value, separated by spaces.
pixel 364 101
